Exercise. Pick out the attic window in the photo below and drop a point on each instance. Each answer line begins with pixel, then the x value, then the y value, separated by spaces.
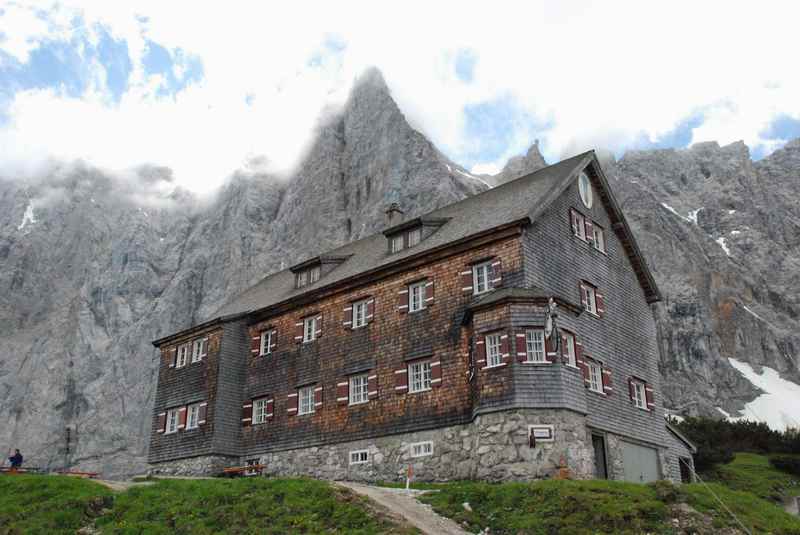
pixel 405 240
pixel 307 276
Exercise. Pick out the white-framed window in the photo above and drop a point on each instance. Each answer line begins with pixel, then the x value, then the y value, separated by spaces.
pixel 639 397
pixel 585 189
pixel 413 237
pixel 578 224
pixel 494 357
pixel 595 376
pixel 569 341
pixel 259 411
pixel 480 277
pixel 265 347
pixel 396 243
pixel 416 296
pixel 172 422
pixel 419 376
pixel 599 238
pixel 589 297
pixel 305 403
pixel 422 449
pixel 183 355
pixel 359 456
pixel 199 349
pixel 534 345
pixel 309 329
pixel 359 391
pixel 192 416
pixel 307 276
pixel 360 313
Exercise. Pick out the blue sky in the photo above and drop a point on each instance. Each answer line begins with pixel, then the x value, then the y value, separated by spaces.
pixel 206 91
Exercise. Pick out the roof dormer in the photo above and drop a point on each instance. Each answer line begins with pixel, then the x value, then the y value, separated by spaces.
pixel 410 233
pixel 312 270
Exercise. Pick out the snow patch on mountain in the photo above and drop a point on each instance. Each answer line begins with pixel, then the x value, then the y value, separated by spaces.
pixel 28 217
pixel 721 242
pixel 778 406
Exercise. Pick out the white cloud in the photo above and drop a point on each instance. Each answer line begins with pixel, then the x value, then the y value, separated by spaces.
pixel 597 74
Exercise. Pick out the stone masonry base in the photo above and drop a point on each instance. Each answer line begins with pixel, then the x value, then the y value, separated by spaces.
pixel 209 465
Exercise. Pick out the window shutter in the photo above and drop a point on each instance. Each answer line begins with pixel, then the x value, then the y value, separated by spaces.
pixel 607 381
pixel 372 386
pixel 274 343
pixel 343 392
pixel 401 380
pixel 402 299
pixel 255 344
pixel 497 273
pixel 466 280
pixel 436 373
pixel 429 293
pixel 601 304
pixel 649 396
pixel 505 350
pixel 370 310
pixel 247 414
pixel 319 326
pixel 582 290
pixel 203 347
pixel 549 350
pixel 173 352
pixel 317 397
pixel 270 409
pixel 631 393
pixel 298 331
pixel 347 316
pixel 162 422
pixel 564 350
pixel 573 222
pixel 582 364
pixel 589 228
pixel 202 413
pixel 480 351
pixel 291 406
pixel 182 418
pixel 522 347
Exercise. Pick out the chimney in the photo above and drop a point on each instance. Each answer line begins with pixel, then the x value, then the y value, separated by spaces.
pixel 394 215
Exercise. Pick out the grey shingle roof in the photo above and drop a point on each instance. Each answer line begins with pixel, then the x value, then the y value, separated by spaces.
pixel 513 201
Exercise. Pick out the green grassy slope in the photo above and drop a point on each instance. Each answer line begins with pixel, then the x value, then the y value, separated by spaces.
pixel 753 473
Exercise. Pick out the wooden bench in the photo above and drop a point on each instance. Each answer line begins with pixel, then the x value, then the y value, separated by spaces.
pixel 26 470
pixel 84 475
pixel 250 470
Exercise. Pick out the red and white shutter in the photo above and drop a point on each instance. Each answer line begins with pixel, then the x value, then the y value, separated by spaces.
pixel 291 405
pixel 247 414
pixel 564 349
pixel 162 422
pixel 401 380
pixel 343 392
pixel 429 293
pixel 202 413
pixel 601 304
pixel 436 373
pixel 521 346
pixel 347 316
pixel 497 273
pixel 370 310
pixel 480 351
pixel 582 290
pixel 649 395
pixel 631 390
pixel 270 409
pixel 589 230
pixel 402 299
pixel 273 344
pixel 580 360
pixel 549 351
pixel 607 389
pixel 319 326
pixel 372 386
pixel 505 350
pixel 182 418
pixel 173 356
pixel 255 344
pixel 466 280
pixel 317 397
pixel 298 331
pixel 573 221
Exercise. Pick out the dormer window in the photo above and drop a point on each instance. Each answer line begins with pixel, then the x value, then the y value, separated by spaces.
pixel 410 233
pixel 396 243
pixel 307 276
pixel 405 240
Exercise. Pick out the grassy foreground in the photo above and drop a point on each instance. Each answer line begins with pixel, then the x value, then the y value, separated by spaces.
pixel 753 473
pixel 56 505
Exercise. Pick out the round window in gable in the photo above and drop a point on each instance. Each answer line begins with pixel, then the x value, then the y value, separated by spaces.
pixel 585 187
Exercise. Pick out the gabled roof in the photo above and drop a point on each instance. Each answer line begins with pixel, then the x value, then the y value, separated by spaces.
pixel 509 205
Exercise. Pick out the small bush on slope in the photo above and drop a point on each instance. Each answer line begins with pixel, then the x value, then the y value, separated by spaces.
pixel 48 505
pixel 753 473
pixel 789 464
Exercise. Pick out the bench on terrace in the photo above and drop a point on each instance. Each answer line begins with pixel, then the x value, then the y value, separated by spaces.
pixel 249 470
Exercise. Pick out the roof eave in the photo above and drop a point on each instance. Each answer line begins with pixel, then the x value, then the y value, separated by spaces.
pixel 219 320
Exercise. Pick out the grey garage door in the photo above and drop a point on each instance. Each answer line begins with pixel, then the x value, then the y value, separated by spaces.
pixel 640 463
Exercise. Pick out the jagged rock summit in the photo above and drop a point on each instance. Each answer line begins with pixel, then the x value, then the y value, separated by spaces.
pixel 518 166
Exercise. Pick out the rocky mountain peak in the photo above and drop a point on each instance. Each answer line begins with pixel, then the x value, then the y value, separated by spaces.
pixel 521 165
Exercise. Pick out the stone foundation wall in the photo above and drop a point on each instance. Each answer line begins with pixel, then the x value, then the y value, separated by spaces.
pixel 209 465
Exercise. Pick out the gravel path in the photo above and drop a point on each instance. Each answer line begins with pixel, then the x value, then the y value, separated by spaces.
pixel 403 503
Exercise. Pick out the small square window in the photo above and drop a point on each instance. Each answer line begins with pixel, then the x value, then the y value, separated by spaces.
pixel 416 296
pixel 359 457
pixel 481 279
pixel 313 274
pixel 306 401
pixel 494 356
pixel 595 376
pixel 396 243
pixel 413 237
pixel 419 376
pixel 578 224
pixel 359 389
pixel 183 355
pixel 422 449
pixel 260 411
pixel 310 329
pixel 267 337
pixel 569 341
pixel 193 416
pixel 639 397
pixel 172 421
pixel 199 349
pixel 359 314
pixel 589 297
pixel 534 345
pixel 599 238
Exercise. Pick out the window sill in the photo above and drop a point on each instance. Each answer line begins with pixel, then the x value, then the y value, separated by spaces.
pixel 600 251
pixel 597 392
pixel 483 292
pixel 423 309
pixel 573 366
pixel 358 403
pixel 593 314
pixel 502 364
pixel 420 391
pixel 538 362
pixel 305 413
